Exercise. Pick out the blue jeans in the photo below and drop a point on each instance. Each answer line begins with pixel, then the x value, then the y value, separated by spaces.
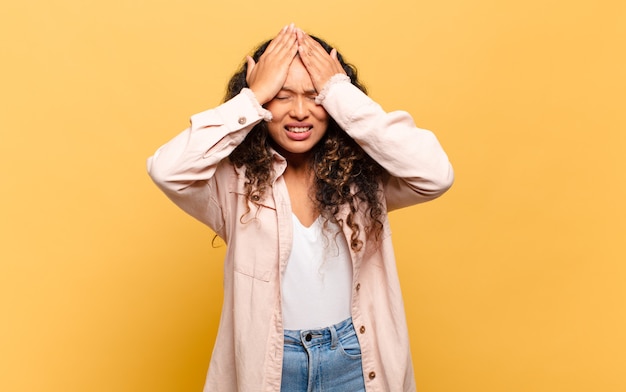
pixel 327 359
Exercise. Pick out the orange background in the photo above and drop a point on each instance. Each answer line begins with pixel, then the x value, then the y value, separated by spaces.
pixel 514 280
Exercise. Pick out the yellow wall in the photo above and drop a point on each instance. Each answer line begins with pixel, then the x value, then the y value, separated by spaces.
pixel 514 281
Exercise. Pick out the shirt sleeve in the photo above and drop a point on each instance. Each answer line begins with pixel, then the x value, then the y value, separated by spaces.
pixel 183 167
pixel 417 166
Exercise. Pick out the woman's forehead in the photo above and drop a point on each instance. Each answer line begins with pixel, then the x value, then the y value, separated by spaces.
pixel 298 78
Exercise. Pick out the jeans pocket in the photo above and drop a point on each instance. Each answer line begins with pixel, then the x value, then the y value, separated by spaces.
pixel 350 347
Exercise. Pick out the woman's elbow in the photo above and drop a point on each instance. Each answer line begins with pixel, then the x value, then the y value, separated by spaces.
pixel 446 179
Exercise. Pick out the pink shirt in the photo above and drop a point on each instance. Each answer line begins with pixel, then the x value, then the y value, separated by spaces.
pixel 194 171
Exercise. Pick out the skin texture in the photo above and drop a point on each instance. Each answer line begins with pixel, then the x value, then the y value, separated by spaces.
pixel 291 71
pixel 294 108
pixel 268 76
pixel 326 170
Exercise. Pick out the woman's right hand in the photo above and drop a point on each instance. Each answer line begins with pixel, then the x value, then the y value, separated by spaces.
pixel 268 76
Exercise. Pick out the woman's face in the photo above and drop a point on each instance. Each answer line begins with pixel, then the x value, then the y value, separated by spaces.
pixel 298 123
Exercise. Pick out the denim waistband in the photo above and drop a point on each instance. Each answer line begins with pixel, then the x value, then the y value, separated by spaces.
pixel 316 337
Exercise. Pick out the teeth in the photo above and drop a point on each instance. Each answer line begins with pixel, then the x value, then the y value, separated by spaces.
pixel 297 129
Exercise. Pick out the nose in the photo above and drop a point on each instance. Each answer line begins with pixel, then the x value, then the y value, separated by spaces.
pixel 300 108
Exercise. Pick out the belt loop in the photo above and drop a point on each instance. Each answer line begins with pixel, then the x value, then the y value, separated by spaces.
pixel 333 336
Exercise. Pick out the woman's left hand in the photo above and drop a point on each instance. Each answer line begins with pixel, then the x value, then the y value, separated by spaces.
pixel 320 64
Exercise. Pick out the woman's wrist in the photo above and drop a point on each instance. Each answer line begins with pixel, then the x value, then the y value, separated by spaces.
pixel 335 79
pixel 266 114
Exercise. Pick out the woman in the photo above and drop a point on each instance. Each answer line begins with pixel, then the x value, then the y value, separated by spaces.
pixel 296 171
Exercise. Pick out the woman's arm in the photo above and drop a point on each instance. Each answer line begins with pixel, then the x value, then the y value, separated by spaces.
pixel 183 167
pixel 418 167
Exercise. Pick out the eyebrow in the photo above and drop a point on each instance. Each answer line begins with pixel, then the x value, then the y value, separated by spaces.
pixel 291 90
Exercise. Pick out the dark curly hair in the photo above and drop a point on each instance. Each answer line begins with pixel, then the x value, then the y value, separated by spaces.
pixel 344 173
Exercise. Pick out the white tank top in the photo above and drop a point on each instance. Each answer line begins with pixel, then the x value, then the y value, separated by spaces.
pixel 317 282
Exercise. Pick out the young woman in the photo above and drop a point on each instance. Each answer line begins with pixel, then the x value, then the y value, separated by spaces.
pixel 296 172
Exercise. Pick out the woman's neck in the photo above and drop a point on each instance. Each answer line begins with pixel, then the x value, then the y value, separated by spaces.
pixel 299 178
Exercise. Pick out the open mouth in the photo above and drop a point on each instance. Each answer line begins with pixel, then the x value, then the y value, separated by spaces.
pixel 298 133
pixel 298 129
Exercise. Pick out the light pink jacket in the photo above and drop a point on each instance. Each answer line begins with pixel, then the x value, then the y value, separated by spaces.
pixel 194 171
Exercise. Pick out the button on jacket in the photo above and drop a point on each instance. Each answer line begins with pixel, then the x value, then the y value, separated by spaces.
pixel 194 171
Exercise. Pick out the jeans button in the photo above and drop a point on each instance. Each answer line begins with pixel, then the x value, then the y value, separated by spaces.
pixel 308 337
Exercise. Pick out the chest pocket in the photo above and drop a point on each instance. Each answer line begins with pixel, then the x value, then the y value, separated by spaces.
pixel 254 243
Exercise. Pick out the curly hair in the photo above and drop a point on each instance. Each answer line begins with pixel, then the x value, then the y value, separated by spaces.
pixel 344 173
